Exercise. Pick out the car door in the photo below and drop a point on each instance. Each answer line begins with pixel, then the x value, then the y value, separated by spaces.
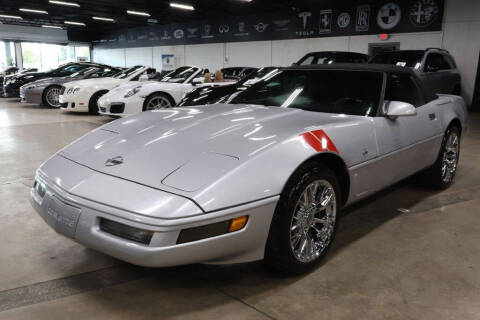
pixel 406 144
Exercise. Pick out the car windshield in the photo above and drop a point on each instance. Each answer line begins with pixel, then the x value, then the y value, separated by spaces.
pixel 256 76
pixel 324 58
pixel 180 74
pixel 330 91
pixel 410 59
pixel 84 72
pixel 127 73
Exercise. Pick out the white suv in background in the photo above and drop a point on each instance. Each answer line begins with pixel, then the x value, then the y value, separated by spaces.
pixel 83 95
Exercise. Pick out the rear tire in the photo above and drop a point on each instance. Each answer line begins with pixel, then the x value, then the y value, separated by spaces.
pixel 93 103
pixel 305 220
pixel 442 174
pixel 51 96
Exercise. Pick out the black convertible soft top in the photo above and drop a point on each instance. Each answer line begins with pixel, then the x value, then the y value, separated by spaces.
pixel 386 68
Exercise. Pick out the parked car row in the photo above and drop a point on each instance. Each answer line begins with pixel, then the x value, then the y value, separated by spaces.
pixel 110 91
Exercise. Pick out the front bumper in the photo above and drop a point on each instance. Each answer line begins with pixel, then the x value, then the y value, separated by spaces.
pixel 33 95
pixel 68 104
pixel 79 219
pixel 11 90
pixel 121 107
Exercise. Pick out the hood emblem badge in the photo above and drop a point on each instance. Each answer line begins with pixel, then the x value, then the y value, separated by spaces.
pixel 114 161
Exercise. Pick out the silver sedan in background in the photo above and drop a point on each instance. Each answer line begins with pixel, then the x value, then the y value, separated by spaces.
pixel 47 91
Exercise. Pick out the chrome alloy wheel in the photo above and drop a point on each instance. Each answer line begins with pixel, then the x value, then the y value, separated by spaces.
pixel 52 97
pixel 450 157
pixel 158 102
pixel 313 221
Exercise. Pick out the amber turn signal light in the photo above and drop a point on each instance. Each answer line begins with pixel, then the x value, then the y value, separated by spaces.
pixel 238 224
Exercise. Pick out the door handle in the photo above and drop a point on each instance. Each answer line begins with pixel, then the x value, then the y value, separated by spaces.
pixel 432 116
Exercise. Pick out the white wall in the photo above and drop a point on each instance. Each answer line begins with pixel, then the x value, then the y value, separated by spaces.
pixel 460 35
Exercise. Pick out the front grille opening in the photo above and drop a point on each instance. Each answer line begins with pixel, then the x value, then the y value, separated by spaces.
pixel 126 232
pixel 117 108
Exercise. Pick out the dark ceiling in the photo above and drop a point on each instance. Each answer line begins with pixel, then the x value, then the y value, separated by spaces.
pixel 158 9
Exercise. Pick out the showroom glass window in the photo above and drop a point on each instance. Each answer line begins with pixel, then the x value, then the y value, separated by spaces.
pixel 45 56
pixel 330 91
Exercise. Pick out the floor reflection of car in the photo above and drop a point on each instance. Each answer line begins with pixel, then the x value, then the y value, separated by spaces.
pixel 435 67
pixel 47 91
pixel 329 57
pixel 264 177
pixel 210 95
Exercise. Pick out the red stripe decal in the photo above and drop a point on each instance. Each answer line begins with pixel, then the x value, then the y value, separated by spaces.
pixel 319 141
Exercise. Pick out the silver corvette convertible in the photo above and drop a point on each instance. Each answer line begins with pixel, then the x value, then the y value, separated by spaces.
pixel 264 176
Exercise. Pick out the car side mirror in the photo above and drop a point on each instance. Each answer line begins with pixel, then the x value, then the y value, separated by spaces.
pixel 395 109
pixel 144 77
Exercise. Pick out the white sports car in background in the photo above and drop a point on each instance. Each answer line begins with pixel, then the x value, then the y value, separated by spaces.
pixel 83 95
pixel 132 98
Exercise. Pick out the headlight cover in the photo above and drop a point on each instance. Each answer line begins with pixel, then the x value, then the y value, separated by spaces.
pixel 132 92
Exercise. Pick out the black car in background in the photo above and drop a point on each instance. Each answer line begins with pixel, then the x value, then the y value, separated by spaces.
pixel 435 67
pixel 329 57
pixel 12 84
pixel 237 73
pixel 12 71
pixel 210 95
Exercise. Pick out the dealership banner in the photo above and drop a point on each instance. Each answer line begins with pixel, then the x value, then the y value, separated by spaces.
pixel 368 17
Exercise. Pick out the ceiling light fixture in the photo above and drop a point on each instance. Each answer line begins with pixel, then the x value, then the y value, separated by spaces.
pixel 74 23
pixel 33 11
pixel 52 27
pixel 64 3
pixel 103 19
pixel 181 6
pixel 10 17
pixel 138 13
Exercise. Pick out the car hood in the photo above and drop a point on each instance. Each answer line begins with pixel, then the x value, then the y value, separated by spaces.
pixel 206 142
pixel 47 81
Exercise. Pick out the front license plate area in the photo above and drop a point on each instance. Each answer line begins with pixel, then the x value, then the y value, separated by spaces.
pixel 62 217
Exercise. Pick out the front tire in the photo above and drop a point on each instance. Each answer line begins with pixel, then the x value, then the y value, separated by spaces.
pixel 305 220
pixel 158 101
pixel 51 96
pixel 93 103
pixel 442 174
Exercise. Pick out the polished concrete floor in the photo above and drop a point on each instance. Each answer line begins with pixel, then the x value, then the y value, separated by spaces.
pixel 407 253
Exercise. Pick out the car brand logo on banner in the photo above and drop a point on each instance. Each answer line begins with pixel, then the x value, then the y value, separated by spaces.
pixel 224 28
pixel 424 12
pixel 326 21
pixel 305 16
pixel 179 34
pixel 343 20
pixel 363 18
pixel 261 27
pixel 389 16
